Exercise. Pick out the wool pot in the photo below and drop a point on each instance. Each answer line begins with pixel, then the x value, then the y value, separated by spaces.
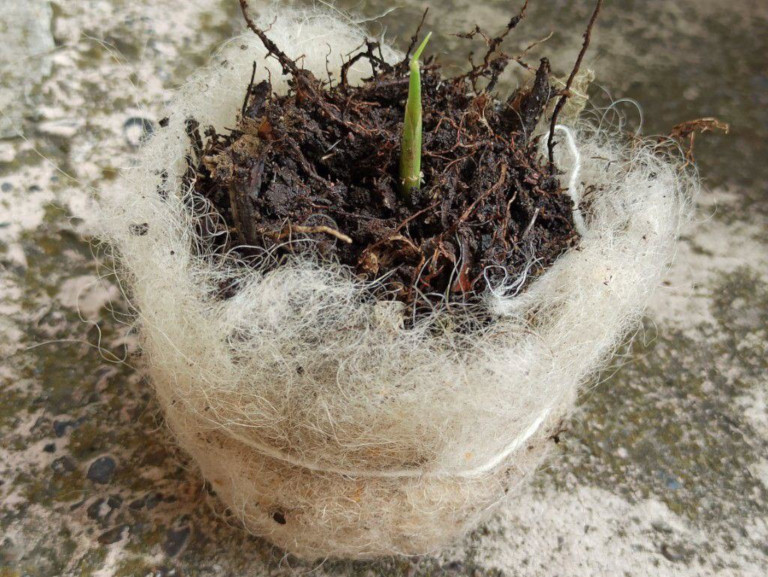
pixel 323 421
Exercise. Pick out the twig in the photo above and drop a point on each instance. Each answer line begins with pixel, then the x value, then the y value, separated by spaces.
pixel 536 43
pixel 414 39
pixel 287 64
pixel 511 25
pixel 327 70
pixel 490 69
pixel 566 91
pixel 315 229
pixel 531 46
pixel 248 91
pixel 687 131
pixel 372 58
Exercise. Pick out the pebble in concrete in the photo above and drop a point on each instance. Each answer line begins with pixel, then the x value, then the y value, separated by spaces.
pixel 102 469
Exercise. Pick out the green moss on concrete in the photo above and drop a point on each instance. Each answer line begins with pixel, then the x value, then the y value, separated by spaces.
pixel 91 562
pixel 132 567
pixel 14 405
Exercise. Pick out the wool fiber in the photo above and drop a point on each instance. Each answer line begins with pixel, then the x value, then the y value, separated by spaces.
pixel 320 419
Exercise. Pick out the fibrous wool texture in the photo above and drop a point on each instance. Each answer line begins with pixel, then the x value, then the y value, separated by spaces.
pixel 326 426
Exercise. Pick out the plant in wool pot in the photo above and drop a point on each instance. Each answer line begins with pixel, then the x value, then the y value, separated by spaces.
pixel 367 295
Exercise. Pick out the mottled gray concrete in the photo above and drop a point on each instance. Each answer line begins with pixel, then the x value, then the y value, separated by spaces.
pixel 663 471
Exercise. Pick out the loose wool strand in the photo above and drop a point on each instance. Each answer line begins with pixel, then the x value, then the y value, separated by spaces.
pixel 573 182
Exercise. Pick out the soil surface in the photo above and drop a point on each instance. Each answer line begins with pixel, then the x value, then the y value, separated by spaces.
pixel 316 170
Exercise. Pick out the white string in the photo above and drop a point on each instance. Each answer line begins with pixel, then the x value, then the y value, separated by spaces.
pixel 478 471
pixel 573 182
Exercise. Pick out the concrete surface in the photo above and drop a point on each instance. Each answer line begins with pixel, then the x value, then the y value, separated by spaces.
pixel 664 470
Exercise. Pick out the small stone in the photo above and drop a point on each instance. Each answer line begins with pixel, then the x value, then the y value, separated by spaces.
pixel 6 187
pixel 101 470
pixel 63 465
pixel 175 540
pixel 50 448
pixel 661 527
pixel 60 427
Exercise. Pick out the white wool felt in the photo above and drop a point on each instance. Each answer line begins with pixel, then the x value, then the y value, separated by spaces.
pixel 321 421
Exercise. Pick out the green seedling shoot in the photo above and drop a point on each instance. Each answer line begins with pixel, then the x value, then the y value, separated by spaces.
pixel 410 145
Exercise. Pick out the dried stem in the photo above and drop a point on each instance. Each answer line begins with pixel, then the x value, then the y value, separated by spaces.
pixel 491 69
pixel 567 90
pixel 289 66
pixel 414 39
pixel 314 230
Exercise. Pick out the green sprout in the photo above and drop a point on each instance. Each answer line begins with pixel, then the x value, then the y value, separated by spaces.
pixel 410 145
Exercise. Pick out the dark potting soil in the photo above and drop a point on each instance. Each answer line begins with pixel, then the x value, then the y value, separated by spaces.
pixel 320 163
